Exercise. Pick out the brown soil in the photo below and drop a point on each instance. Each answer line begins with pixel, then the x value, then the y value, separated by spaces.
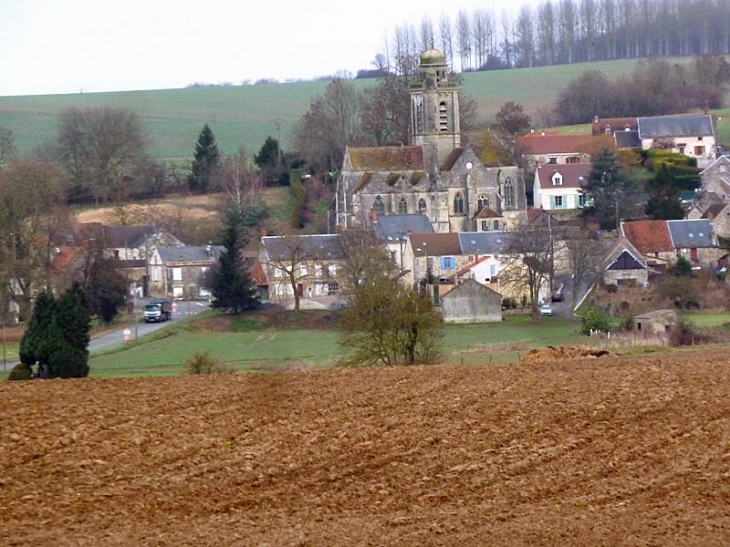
pixel 604 451
pixel 195 207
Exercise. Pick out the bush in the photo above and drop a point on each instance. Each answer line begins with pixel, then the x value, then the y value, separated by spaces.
pixel 682 268
pixel 66 361
pixel 593 319
pixel 611 288
pixel 20 372
pixel 684 333
pixel 203 363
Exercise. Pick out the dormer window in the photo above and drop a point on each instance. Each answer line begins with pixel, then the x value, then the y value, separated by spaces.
pixel 557 179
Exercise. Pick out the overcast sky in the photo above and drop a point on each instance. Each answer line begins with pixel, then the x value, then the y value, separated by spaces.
pixel 64 46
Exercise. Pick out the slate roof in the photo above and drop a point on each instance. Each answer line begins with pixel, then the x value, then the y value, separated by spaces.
pixel 190 255
pixel 687 234
pixel 451 159
pixel 308 247
pixel 441 244
pixel 648 236
pixel 574 175
pixel 627 139
pixel 473 243
pixel 675 126
pixel 120 237
pixel 622 245
pixel 389 228
pixel 386 158
pixel 714 210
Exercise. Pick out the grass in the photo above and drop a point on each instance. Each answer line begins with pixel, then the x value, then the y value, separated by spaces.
pixel 246 115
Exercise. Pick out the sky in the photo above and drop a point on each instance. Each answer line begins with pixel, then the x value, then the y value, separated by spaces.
pixel 68 46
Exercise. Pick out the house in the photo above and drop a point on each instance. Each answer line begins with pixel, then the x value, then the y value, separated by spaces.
pixel 611 126
pixel 183 272
pixel 623 265
pixel 433 175
pixel 693 136
pixel 315 263
pixel 560 186
pixel 486 254
pixel 540 149
pixel 661 242
pixel 123 242
pixel 717 213
pixel 716 180
pixel 488 219
pixel 392 231
pixel 434 257
pixel 471 302
pixel 655 322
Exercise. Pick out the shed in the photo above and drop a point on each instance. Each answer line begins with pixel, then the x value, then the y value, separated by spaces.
pixel 656 321
pixel 471 302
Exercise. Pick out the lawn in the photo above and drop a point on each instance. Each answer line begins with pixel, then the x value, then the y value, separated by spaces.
pixel 277 349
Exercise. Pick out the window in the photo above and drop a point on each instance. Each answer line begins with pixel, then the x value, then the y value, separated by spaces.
pixel 681 147
pixel 509 193
pixel 302 270
pixel 332 270
pixel 581 200
pixel 492 270
pixel 557 202
pixel 448 263
pixel 403 207
pixel 458 204
pixel 422 206
pixel 572 160
pixel 699 150
pixel 277 272
pixel 177 274
pixel 482 202
pixel 332 288
pixel 557 179
pixel 443 117
pixel 553 161
pixel 318 270
pixel 496 225
pixel 485 225
pixel 379 206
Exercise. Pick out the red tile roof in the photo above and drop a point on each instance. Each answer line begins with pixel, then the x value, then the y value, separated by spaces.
pixel 648 236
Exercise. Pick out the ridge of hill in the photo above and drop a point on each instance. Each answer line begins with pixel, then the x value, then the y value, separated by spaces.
pixel 246 115
pixel 613 451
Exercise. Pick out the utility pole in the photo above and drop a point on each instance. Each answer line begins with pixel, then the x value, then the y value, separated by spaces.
pixel 278 123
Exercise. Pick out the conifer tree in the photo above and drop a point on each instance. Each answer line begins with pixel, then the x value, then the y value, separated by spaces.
pixel 232 286
pixel 34 347
pixel 70 336
pixel 206 165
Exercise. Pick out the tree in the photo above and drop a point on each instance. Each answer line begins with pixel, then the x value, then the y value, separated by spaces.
pixel 386 111
pixel 533 247
pixel 609 193
pixel 365 260
pixel 34 347
pixel 232 287
pixel 512 119
pixel 205 168
pixel 387 324
pixel 585 252
pixel 70 335
pixel 287 255
pixel 106 289
pixel 102 150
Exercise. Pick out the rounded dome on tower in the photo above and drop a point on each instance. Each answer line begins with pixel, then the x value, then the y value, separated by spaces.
pixel 432 57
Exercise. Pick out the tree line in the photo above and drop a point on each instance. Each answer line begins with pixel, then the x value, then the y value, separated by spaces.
pixel 561 32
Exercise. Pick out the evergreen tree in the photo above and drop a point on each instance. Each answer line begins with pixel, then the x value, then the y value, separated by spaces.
pixel 69 336
pixel 232 286
pixel 106 289
pixel 609 193
pixel 206 165
pixel 34 346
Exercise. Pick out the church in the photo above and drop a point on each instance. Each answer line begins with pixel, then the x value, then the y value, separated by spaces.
pixel 434 175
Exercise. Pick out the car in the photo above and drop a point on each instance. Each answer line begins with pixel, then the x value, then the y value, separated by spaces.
pixel 546 310
pixel 557 296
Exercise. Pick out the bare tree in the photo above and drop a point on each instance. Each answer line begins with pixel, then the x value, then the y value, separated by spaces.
pixel 428 40
pixel 525 38
pixel 533 247
pixel 446 39
pixel 366 259
pixel 483 26
pixel 242 186
pixel 546 33
pixel 464 39
pixel 584 250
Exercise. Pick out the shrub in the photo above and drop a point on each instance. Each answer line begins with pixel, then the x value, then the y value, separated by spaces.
pixel 593 319
pixel 682 268
pixel 684 333
pixel 20 372
pixel 203 363
pixel 612 288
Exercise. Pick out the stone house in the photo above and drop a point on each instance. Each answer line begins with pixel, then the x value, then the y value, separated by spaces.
pixel 716 181
pixel 315 261
pixel 434 175
pixel 717 213
pixel 392 231
pixel 655 322
pixel 471 302
pixel 661 242
pixel 623 264
pixel 182 273
pixel 540 149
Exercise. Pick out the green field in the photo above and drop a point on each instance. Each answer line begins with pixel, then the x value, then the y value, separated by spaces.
pixel 246 115
pixel 257 349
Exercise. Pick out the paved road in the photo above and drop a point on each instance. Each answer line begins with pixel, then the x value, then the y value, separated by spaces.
pixel 116 337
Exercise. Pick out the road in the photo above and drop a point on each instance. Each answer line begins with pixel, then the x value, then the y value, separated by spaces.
pixel 113 338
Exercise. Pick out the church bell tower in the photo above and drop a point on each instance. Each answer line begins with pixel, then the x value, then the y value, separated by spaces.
pixel 435 107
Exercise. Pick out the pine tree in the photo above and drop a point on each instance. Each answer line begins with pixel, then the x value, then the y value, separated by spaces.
pixel 34 346
pixel 206 165
pixel 69 336
pixel 232 286
pixel 609 193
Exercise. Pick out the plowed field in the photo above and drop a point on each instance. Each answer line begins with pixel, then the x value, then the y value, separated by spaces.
pixel 587 452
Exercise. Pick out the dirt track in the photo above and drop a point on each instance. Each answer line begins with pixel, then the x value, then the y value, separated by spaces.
pixel 584 452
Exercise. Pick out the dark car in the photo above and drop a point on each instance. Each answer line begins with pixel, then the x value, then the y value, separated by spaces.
pixel 557 296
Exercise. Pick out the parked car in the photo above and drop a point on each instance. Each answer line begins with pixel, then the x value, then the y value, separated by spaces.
pixel 546 310
pixel 557 296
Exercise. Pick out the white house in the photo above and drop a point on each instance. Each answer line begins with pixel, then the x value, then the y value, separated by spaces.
pixel 693 136
pixel 560 186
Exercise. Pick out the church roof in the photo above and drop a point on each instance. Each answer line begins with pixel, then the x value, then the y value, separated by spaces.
pixel 386 158
pixel 451 159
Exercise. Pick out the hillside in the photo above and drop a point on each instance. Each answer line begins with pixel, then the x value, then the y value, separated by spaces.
pixel 246 115
pixel 583 452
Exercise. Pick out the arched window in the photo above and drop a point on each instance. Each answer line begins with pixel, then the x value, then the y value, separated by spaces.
pixel 422 206
pixel 443 117
pixel 509 194
pixel 482 202
pixel 458 204
pixel 402 207
pixel 379 206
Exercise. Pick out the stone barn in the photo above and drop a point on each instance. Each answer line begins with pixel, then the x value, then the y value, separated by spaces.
pixel 471 302
pixel 655 322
